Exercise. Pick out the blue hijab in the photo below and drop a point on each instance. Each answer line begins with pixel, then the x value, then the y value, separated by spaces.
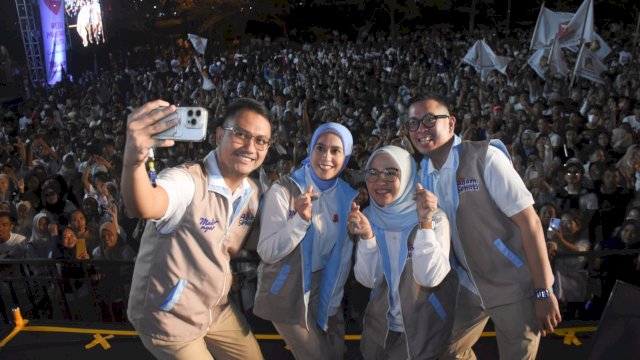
pixel 347 145
pixel 401 214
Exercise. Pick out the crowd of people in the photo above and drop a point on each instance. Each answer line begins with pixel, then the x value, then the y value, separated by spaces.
pixel 74 184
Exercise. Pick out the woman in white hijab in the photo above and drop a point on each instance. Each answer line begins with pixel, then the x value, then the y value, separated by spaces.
pixel 403 255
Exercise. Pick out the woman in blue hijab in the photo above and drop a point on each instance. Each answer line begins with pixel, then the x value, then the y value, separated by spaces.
pixel 306 250
pixel 403 255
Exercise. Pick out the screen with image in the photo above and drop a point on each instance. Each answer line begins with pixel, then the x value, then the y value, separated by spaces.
pixel 87 15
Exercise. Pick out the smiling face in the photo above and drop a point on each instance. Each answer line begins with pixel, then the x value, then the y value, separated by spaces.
pixel 327 156
pixel 426 140
pixel 236 158
pixel 108 238
pixel 381 191
pixel 68 238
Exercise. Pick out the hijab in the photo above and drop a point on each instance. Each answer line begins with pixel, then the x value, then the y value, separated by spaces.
pixel 347 146
pixel 401 214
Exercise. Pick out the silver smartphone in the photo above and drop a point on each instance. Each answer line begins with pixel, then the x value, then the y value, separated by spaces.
pixel 191 126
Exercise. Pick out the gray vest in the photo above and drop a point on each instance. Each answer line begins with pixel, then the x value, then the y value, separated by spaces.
pixel 491 240
pixel 181 280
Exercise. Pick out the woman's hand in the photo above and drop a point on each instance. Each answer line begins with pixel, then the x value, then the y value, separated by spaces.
pixel 302 204
pixel 426 203
pixel 358 224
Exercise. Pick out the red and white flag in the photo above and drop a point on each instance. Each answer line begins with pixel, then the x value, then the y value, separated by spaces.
pixel 580 28
pixel 547 26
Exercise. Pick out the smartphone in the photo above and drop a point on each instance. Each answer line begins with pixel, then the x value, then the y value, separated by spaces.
pixel 554 224
pixel 512 99
pixel 191 126
pixel 81 248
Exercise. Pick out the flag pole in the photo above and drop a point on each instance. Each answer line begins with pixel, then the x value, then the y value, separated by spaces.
pixel 535 29
pixel 637 33
pixel 575 68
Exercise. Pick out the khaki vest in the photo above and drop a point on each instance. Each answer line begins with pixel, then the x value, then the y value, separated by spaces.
pixel 491 240
pixel 181 280
pixel 427 313
pixel 280 296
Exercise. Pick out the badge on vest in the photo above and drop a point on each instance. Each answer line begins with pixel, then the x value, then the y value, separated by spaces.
pixel 291 214
pixel 246 219
pixel 207 224
pixel 467 185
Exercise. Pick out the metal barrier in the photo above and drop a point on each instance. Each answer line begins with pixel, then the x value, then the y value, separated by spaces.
pixel 97 291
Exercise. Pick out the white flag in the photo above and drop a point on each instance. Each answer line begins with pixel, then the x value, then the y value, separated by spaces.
pixel 483 59
pixel 589 66
pixel 580 28
pixel 557 65
pixel 199 43
pixel 548 24
pixel 599 48
pixel 207 83
pixel 538 61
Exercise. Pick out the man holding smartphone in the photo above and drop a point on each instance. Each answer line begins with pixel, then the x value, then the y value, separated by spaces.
pixel 498 241
pixel 201 213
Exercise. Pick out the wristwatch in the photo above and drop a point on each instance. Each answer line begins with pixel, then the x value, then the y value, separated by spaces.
pixel 542 294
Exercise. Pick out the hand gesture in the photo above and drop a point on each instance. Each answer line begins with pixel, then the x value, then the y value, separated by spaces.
pixel 426 203
pixel 358 224
pixel 142 124
pixel 83 256
pixel 302 204
pixel 113 210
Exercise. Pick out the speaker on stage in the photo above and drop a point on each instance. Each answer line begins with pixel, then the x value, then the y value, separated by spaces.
pixel 618 334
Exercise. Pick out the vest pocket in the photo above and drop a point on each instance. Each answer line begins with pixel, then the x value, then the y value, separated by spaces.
pixel 279 281
pixel 510 255
pixel 173 297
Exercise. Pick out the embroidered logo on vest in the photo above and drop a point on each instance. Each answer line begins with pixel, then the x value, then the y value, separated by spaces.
pixel 292 213
pixel 206 224
pixel 246 219
pixel 467 185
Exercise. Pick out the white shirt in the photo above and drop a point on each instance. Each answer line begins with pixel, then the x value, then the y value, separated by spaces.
pixel 430 257
pixel 180 189
pixel 504 185
pixel 280 233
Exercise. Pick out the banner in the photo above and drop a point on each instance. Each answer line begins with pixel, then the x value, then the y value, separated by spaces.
pixel 53 39
pixel 538 61
pixel 600 48
pixel 199 43
pixel 589 66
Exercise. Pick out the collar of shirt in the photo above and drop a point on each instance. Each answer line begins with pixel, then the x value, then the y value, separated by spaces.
pixel 449 163
pixel 216 182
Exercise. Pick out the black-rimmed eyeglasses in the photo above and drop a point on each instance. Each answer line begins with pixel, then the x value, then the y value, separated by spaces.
pixel 388 175
pixel 240 136
pixel 428 121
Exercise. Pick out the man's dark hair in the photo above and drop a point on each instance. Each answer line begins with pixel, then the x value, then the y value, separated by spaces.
pixel 9 216
pixel 243 104
pixel 424 97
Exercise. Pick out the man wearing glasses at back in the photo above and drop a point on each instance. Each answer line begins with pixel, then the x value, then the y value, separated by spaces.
pixel 498 241
pixel 201 213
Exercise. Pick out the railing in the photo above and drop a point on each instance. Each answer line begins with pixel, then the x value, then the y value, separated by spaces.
pixel 97 291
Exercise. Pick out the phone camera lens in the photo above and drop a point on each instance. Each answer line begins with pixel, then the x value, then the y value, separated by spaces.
pixel 194 121
pixel 198 113
pixel 190 113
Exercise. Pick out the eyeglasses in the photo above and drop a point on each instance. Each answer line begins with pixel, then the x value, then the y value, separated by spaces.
pixel 428 121
pixel 388 175
pixel 240 136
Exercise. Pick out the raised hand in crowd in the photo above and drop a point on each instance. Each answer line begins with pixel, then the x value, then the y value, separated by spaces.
pixel 302 204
